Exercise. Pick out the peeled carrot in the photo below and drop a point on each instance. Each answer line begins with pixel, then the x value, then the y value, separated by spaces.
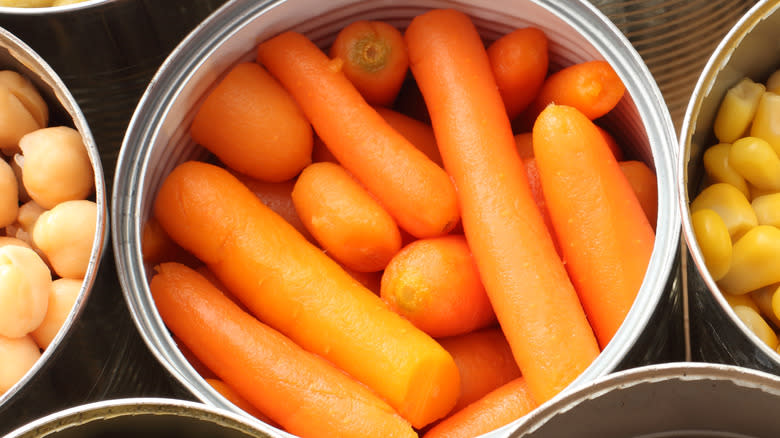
pixel 592 87
pixel 375 59
pixel 617 151
pixel 418 133
pixel 416 192
pixel 370 280
pixel 519 61
pixel 234 397
pixel 344 218
pixel 299 390
pixel 277 197
pixel 535 183
pixel 253 125
pixel 484 360
pixel 605 237
pixel 528 286
pixel 289 284
pixel 157 247
pixel 498 408
pixel 435 284
pixel 525 145
pixel 645 185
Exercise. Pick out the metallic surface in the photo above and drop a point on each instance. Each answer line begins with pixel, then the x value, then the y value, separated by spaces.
pixel 751 48
pixel 147 417
pixel 666 400
pixel 157 139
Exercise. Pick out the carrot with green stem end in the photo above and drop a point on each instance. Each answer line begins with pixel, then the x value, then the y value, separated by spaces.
pixel 484 360
pixel 498 408
pixel 530 291
pixel 253 125
pixel 606 239
pixel 350 225
pixel 289 284
pixel 519 61
pixel 299 390
pixel 375 59
pixel 416 192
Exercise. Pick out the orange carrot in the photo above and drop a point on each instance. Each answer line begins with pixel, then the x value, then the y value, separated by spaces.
pixel 519 61
pixel 524 144
pixel 485 362
pixel 416 192
pixel 534 182
pixel 343 217
pixel 605 237
pixel 253 125
pixel 157 247
pixel 375 59
pixel 592 87
pixel 528 286
pixel 234 397
pixel 299 390
pixel 418 133
pixel 645 185
pixel 498 408
pixel 196 364
pixel 435 284
pixel 617 151
pixel 320 152
pixel 289 284
pixel 370 280
pixel 277 197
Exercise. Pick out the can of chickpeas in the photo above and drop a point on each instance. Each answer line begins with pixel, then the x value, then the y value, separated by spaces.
pixel 159 139
pixel 728 197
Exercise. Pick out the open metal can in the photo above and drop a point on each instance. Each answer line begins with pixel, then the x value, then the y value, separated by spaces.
pixel 158 139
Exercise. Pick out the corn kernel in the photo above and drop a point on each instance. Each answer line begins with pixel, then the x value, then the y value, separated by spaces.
pixel 766 123
pixel 757 162
pixel 737 109
pixel 763 300
pixel 718 169
pixel 754 261
pixel 767 209
pixel 714 240
pixel 757 325
pixel 741 300
pixel 773 83
pixel 730 204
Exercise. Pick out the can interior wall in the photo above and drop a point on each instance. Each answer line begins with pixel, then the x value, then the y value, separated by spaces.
pixel 157 140
pixel 751 49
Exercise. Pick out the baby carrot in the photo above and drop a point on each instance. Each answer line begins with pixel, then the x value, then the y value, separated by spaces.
pixel 414 190
pixel 300 391
pixel 484 360
pixel 435 284
pixel 253 125
pixel 344 218
pixel 234 397
pixel 498 408
pixel 535 183
pixel 375 59
pixel 418 133
pixel 157 247
pixel 617 151
pixel 525 145
pixel 289 284
pixel 519 61
pixel 645 185
pixel 528 286
pixel 592 87
pixel 605 237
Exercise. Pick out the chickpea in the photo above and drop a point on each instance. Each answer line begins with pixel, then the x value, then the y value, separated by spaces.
pixel 9 195
pixel 23 196
pixel 15 121
pixel 55 166
pixel 28 95
pixel 8 240
pixel 19 356
pixel 65 234
pixel 28 214
pixel 63 296
pixel 25 285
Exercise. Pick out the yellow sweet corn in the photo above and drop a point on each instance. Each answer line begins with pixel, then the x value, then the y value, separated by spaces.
pixel 757 325
pixel 767 209
pixel 776 301
pixel 737 109
pixel 714 241
pixel 773 83
pixel 730 204
pixel 755 192
pixel 741 300
pixel 718 169
pixel 766 122
pixel 757 162
pixel 754 261
pixel 762 298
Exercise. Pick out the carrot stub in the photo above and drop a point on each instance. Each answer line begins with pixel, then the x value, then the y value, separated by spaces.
pixel 344 218
pixel 605 237
pixel 530 291
pixel 299 390
pixel 253 125
pixel 375 59
pixel 289 284
pixel 414 190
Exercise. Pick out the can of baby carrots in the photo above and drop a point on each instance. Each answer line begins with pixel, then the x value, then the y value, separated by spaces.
pixel 717 331
pixel 142 416
pixel 158 140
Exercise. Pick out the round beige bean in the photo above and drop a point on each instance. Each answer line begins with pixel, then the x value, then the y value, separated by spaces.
pixel 29 212
pixel 19 356
pixel 15 121
pixel 8 240
pixel 56 166
pixel 23 196
pixel 9 194
pixel 25 285
pixel 65 234
pixel 63 296
pixel 28 95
